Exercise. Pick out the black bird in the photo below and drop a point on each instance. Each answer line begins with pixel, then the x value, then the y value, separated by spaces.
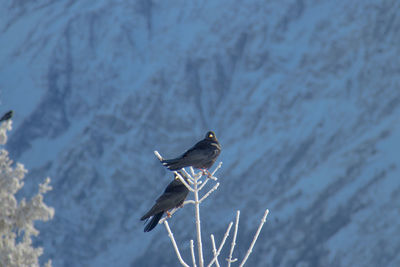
pixel 201 156
pixel 7 116
pixel 173 196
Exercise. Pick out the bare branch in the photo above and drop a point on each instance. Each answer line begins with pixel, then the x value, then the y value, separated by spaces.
pixel 179 176
pixel 166 217
pixel 214 250
pixel 221 245
pixel 216 169
pixel 183 181
pixel 191 170
pixel 175 210
pixel 190 177
pixel 263 219
pixel 234 239
pixel 198 175
pixel 198 227
pixel 205 182
pixel 209 192
pixel 158 155
pixel 192 252
pixel 171 236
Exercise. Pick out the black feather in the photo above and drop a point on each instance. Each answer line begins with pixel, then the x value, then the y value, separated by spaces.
pixel 7 116
pixel 153 222
pixel 174 196
pixel 202 155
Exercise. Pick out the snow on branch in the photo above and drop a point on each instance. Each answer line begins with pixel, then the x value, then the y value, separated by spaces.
pixel 17 217
pixel 192 252
pixel 178 174
pixel 264 218
pixel 234 239
pixel 171 236
pixel 221 245
pixel 209 192
pixel 214 250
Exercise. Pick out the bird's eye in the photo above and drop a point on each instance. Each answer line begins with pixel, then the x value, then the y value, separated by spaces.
pixel 211 135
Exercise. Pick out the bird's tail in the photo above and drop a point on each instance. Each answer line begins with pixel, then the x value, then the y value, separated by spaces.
pixel 153 222
pixel 174 164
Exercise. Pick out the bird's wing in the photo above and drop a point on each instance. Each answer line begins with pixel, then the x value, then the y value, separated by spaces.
pixel 163 203
pixel 200 151
pixel 199 146
pixel 168 199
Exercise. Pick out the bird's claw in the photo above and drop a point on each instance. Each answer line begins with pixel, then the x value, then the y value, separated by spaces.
pixel 206 172
pixel 169 215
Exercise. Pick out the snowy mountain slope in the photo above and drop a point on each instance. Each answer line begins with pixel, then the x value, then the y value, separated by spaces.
pixel 304 97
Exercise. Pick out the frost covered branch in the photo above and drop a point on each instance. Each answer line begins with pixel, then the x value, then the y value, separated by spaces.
pixel 255 238
pixel 175 210
pixel 221 245
pixel 17 217
pixel 192 252
pixel 198 227
pixel 209 192
pixel 171 236
pixel 175 172
pixel 234 239
pixel 214 250
pixel 216 169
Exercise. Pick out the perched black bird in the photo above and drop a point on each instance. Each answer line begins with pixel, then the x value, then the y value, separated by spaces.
pixel 201 156
pixel 7 116
pixel 173 196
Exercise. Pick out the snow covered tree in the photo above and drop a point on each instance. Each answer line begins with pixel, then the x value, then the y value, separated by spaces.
pixel 17 217
pixel 196 182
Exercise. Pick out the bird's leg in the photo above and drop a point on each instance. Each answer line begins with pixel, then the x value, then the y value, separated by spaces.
pixel 206 172
pixel 169 215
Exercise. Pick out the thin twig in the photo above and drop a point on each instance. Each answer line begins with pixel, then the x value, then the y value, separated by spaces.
pixel 198 175
pixel 183 181
pixel 263 219
pixel 189 202
pixel 192 251
pixel 221 245
pixel 209 192
pixel 175 210
pixel 158 155
pixel 214 250
pixel 191 170
pixel 190 181
pixel 216 169
pixel 234 239
pixel 178 174
pixel 205 182
pixel 171 236
pixel 166 217
pixel 187 174
pixel 198 227
pixel 212 178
